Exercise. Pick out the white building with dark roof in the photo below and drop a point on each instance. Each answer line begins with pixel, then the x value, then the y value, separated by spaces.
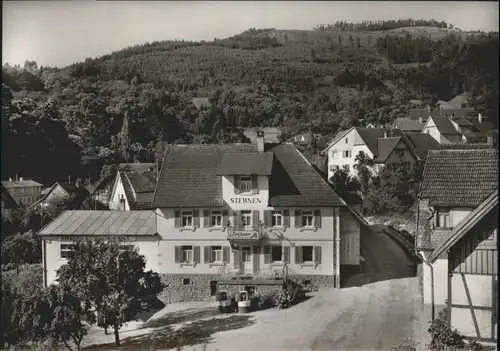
pixel 23 191
pixel 231 216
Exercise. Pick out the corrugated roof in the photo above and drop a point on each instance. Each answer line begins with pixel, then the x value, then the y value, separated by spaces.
pixel 189 177
pixel 102 223
pixel 260 163
pixel 459 177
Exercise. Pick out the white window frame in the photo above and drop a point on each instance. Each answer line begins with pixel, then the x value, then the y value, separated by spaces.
pixel 245 184
pixel 66 248
pixel 188 215
pixel 216 254
pixel 443 214
pixel 271 253
pixel 247 214
pixel 277 218
pixel 312 254
pixel 187 254
pixel 304 216
pixel 216 216
pixel 334 155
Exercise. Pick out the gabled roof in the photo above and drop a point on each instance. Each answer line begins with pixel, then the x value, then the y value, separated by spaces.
pixel 371 135
pixel 260 163
pixel 484 127
pixel 7 201
pixel 459 177
pixel 77 194
pixel 408 124
pixel 445 126
pixel 385 147
pixel 189 177
pixel 487 207
pixel 422 143
pixel 337 137
pixel 141 223
pixel 144 183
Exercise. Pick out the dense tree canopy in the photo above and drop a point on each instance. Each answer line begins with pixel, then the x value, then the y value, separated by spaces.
pixel 125 106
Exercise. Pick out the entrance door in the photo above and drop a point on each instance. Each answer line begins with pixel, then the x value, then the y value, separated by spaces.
pixel 247 259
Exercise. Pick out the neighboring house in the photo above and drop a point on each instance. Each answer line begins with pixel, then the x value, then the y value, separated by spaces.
pixel 74 193
pixel 100 193
pixel 423 113
pixel 23 191
pixel 133 190
pixel 347 144
pixel 303 139
pixel 442 130
pixel 8 204
pixel 227 211
pixel 457 235
pixel 410 148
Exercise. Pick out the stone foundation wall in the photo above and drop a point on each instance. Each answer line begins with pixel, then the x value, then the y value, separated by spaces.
pixel 197 287
pixel 186 287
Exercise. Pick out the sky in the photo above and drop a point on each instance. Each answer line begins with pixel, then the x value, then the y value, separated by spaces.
pixel 59 33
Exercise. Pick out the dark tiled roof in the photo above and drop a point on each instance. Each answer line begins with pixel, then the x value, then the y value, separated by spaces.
pixel 260 163
pixel 102 223
pixel 189 177
pixel 422 143
pixel 484 127
pixel 295 182
pixel 459 177
pixel 408 124
pixel 462 121
pixel 371 135
pixel 385 148
pixel 145 184
pixel 445 126
pixel 7 201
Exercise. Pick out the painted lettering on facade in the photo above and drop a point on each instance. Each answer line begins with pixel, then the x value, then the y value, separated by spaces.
pixel 244 200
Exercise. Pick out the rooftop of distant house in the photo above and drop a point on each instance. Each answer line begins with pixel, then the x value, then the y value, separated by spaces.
pixel 20 183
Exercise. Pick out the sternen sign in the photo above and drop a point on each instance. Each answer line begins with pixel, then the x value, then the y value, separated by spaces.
pixel 245 200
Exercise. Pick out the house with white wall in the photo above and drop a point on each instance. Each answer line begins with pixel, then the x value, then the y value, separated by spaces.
pixel 222 211
pixel 132 190
pixel 456 237
pixel 23 191
pixel 60 192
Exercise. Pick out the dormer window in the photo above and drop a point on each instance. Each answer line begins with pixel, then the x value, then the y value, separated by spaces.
pixel 245 184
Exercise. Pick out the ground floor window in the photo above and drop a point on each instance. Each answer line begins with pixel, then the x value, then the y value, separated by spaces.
pixel 66 250
pixel 308 254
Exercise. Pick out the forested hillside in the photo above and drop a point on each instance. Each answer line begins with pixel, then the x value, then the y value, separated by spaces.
pixel 126 105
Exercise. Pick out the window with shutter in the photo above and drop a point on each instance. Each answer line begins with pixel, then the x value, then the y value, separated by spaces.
pixel 255 185
pixel 196 218
pixel 216 219
pixel 298 222
pixel 255 219
pixel 286 218
pixel 317 218
pixel 216 254
pixel 298 254
pixel 178 254
pixel 196 255
pixel 185 254
pixel 276 253
pixel 267 254
pixel 206 254
pixel 225 254
pixel 307 254
pixel 206 218
pixel 317 254
pixel 177 219
pixel 236 259
pixel 267 218
pixel 277 219
pixel 245 185
pixel 286 254
pixel 236 219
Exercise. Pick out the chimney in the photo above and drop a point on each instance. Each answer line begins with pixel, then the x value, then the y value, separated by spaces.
pixel 429 108
pixel 385 134
pixel 260 141
pixel 489 140
pixel 21 179
pixel 480 117
pixel 10 179
pixel 420 120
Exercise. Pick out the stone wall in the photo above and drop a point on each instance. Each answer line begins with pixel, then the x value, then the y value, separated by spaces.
pixel 420 277
pixel 197 287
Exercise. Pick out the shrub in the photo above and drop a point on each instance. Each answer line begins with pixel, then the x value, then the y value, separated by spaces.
pixel 261 302
pixel 283 298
